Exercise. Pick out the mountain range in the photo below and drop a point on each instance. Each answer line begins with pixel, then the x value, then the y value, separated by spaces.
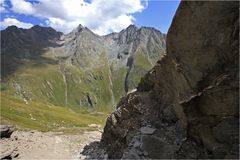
pixel 185 107
pixel 80 70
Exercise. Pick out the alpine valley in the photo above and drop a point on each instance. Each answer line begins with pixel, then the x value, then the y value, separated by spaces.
pixel 45 73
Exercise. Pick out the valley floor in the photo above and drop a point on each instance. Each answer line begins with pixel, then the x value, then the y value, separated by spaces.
pixel 47 145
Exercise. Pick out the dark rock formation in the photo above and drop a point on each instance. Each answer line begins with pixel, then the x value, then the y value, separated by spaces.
pixel 129 65
pixel 190 97
pixel 6 131
pixel 24 43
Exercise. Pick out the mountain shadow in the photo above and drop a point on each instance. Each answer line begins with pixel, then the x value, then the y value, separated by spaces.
pixel 18 46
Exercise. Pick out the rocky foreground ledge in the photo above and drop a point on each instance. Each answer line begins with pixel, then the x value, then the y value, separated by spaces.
pixel 48 145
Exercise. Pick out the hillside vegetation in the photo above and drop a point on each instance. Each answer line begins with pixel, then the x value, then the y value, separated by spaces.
pixel 45 117
pixel 78 74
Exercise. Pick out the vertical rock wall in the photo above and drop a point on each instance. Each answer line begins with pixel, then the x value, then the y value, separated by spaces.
pixel 191 97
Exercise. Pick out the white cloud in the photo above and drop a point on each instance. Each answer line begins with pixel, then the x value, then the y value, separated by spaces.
pixel 21 6
pixel 12 21
pixel 3 6
pixel 101 16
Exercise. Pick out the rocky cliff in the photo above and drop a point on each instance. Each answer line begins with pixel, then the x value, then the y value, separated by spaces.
pixel 186 106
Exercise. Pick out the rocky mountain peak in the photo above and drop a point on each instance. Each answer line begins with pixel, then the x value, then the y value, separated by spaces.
pixel 12 28
pixel 80 31
pixel 26 40
pixel 41 29
pixel 104 62
pixel 38 27
pixel 131 27
pixel 80 28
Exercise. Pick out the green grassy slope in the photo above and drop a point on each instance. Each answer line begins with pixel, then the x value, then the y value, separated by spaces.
pixel 38 90
pixel 141 66
pixel 62 85
pixel 43 117
pixel 62 95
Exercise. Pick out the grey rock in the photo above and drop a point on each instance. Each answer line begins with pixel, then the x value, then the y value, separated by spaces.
pixel 198 79
pixel 6 131
pixel 147 130
pixel 136 144
pixel 169 114
pixel 9 154
pixel 132 153
pixel 227 131
pixel 157 148
pixel 113 119
pixel 145 153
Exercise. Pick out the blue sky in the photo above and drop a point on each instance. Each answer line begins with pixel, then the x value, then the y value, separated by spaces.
pixel 158 14
pixel 101 16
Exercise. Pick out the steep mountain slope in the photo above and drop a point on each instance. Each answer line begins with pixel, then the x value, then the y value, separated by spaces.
pixel 136 49
pixel 18 44
pixel 80 70
pixel 186 106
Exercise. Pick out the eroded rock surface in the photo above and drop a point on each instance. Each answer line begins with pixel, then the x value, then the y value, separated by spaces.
pixel 191 95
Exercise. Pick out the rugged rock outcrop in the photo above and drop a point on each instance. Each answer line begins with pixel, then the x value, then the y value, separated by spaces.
pixel 133 40
pixel 189 100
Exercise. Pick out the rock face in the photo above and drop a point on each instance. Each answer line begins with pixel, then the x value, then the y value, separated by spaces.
pixel 191 95
pixel 133 40
pixel 122 45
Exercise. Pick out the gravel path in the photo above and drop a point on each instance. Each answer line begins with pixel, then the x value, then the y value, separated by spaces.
pixel 49 145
